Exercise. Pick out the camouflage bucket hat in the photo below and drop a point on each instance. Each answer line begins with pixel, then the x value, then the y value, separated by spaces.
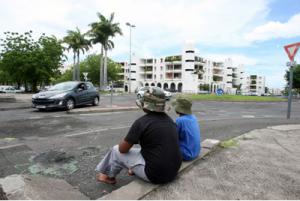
pixel 153 100
pixel 182 105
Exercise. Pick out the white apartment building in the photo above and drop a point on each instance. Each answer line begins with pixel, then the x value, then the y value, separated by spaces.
pixel 275 91
pixel 183 73
pixel 254 85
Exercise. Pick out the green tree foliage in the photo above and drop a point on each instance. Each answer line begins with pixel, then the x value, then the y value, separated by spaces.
pixel 28 61
pixel 91 66
pixel 66 76
pixel 101 32
pixel 296 78
pixel 77 42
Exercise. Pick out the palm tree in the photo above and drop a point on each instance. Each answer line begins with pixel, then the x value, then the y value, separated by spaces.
pixel 77 42
pixel 101 32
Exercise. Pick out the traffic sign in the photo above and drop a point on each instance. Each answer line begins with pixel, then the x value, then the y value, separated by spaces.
pixel 219 92
pixel 291 50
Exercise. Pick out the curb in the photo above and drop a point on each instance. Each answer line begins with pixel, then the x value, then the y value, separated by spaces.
pixel 138 189
pixel 101 110
pixel 15 108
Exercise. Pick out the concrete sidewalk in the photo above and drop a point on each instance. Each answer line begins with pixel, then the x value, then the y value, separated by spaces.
pixel 262 164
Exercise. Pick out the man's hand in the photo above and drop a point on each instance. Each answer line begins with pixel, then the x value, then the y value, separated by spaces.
pixel 124 146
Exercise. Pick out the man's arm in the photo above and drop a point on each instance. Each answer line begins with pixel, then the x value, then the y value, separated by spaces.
pixel 124 146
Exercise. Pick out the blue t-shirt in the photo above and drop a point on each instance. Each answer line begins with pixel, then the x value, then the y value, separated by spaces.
pixel 189 136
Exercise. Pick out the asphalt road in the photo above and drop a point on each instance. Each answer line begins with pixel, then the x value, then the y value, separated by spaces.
pixel 69 146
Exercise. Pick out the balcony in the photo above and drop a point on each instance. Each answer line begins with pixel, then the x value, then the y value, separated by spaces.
pixel 218 73
pixel 199 59
pixel 199 71
pixel 218 65
pixel 147 61
pixel 173 58
pixel 217 78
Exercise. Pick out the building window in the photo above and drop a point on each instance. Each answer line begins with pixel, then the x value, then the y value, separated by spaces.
pixel 189 51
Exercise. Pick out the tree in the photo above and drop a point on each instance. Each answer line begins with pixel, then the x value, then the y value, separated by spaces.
pixel 91 65
pixel 101 32
pixel 66 76
pixel 296 78
pixel 77 42
pixel 28 61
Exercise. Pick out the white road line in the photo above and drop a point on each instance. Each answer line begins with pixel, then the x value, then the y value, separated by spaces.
pixel 11 146
pixel 94 131
pixel 98 114
pixel 248 116
pixel 119 127
pixel 86 133
pixel 35 117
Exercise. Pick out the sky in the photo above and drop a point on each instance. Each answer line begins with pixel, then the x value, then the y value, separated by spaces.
pixel 251 32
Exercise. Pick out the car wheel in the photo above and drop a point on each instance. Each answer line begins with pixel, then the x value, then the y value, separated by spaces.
pixel 70 104
pixel 96 101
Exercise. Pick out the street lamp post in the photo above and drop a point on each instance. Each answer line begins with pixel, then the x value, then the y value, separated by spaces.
pixel 129 83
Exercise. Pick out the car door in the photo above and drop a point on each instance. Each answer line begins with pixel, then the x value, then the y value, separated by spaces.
pixel 82 93
pixel 91 92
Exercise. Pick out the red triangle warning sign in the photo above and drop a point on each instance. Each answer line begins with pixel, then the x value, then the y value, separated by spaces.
pixel 291 50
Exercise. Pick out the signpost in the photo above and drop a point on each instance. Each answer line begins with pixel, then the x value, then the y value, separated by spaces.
pixel 291 51
pixel 85 74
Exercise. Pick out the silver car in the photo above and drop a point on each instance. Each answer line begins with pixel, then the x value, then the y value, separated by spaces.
pixel 140 93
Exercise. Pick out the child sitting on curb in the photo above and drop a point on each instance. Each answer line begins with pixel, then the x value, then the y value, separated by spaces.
pixel 187 128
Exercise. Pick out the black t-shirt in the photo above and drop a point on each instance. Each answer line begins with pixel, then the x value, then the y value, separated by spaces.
pixel 157 135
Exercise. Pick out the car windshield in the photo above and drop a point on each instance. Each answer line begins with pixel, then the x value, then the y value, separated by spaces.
pixel 63 86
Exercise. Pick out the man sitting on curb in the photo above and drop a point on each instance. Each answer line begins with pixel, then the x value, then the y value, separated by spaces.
pixel 159 158
pixel 187 128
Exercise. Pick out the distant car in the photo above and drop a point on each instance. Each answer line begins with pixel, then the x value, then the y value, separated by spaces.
pixel 66 95
pixel 140 93
pixel 10 89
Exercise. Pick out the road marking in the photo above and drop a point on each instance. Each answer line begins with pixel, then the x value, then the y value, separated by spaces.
pixel 86 133
pixel 12 146
pixel 119 127
pixel 94 131
pixel 104 113
pixel 248 116
pixel 35 117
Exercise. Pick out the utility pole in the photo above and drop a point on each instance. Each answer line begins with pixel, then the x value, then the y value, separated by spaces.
pixel 290 97
pixel 129 83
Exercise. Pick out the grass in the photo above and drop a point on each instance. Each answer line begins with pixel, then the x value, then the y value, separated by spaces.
pixel 228 143
pixel 234 98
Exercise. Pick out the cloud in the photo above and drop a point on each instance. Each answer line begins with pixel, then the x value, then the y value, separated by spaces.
pixel 273 29
pixel 160 24
pixel 166 24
